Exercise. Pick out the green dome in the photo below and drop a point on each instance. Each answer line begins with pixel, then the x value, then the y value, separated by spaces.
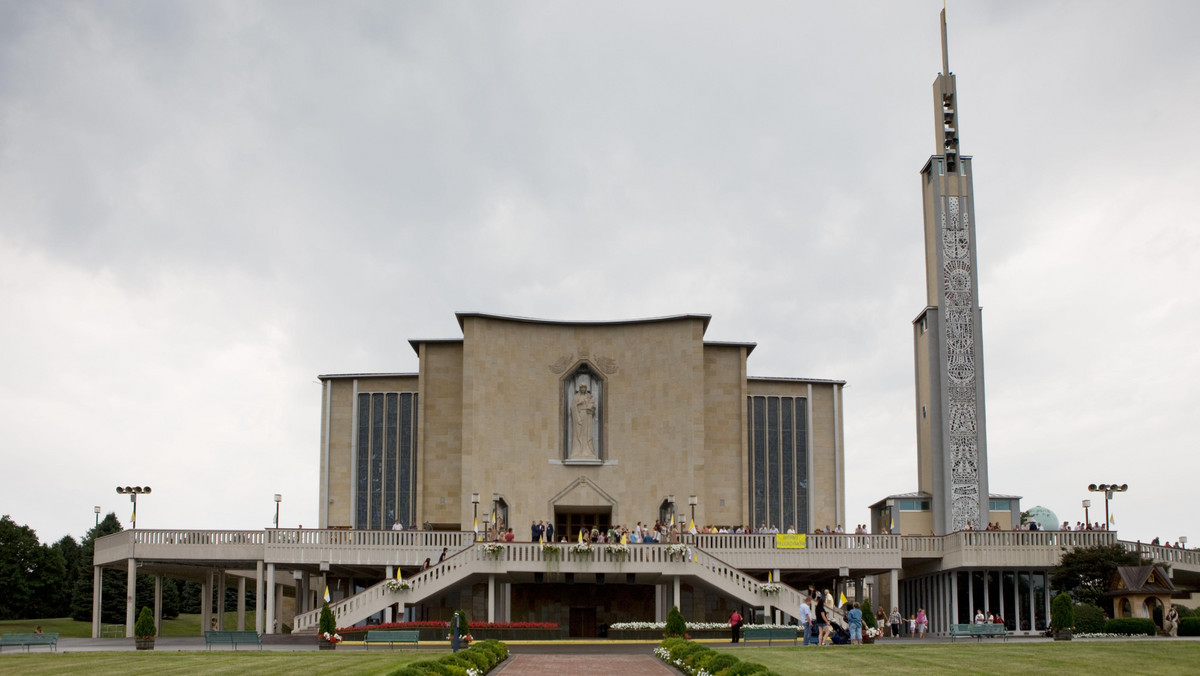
pixel 1046 519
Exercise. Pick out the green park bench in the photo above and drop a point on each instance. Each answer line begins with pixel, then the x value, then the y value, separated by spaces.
pixel 978 631
pixel 391 637
pixel 29 640
pixel 232 638
pixel 752 633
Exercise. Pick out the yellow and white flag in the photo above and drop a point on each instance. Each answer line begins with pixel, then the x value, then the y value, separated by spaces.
pixel 624 538
pixel 842 600
pixel 326 593
pixel 477 525
pixel 692 527
pixel 770 576
pixel 672 520
pixel 542 539
pixel 398 578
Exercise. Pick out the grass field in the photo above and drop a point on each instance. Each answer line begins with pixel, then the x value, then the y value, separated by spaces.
pixel 182 626
pixel 1058 658
pixel 343 663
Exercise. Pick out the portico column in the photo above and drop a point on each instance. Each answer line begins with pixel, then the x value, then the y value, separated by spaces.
pixel 893 590
pixel 954 597
pixel 97 594
pixel 491 602
pixel 131 596
pixel 158 580
pixel 676 594
pixel 241 604
pixel 206 602
pixel 660 597
pixel 260 618
pixel 387 612
pixel 270 594
pixel 858 590
pixel 221 586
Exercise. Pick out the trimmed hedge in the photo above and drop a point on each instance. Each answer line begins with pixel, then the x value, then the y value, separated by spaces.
pixel 482 655
pixel 1189 626
pixel 691 658
pixel 1089 619
pixel 1131 625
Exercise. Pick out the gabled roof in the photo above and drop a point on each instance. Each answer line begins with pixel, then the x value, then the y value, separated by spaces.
pixel 1141 580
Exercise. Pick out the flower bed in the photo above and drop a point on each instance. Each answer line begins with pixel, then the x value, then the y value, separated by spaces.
pixel 653 631
pixel 436 630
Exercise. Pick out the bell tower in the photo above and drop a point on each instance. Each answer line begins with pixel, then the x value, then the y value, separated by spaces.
pixel 948 333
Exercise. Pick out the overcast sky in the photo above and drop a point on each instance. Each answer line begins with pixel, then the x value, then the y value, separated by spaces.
pixel 205 205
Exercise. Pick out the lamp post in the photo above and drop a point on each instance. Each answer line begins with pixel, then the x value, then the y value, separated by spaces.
pixel 1087 522
pixel 1183 542
pixel 475 514
pixel 1107 490
pixel 278 499
pixel 692 502
pixel 132 492
pixel 96 509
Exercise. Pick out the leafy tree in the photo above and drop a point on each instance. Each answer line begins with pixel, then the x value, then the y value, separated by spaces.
pixel 144 627
pixel 72 557
pixel 676 625
pixel 30 573
pixel 1086 572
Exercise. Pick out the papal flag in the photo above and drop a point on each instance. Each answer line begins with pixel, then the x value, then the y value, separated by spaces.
pixel 1112 518
pixel 692 527
pixel 542 539
pixel 477 525
pixel 581 535
pixel 326 593
pixel 398 578
pixel 842 600
pixel 770 576
pixel 672 520
pixel 624 538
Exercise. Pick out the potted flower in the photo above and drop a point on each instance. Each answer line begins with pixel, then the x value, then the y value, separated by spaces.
pixel 581 548
pixel 769 587
pixel 870 634
pixel 492 549
pixel 327 636
pixel 679 550
pixel 549 549
pixel 1062 617
pixel 397 585
pixel 617 549
pixel 144 631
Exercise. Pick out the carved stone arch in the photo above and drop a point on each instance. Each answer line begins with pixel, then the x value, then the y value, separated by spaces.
pixel 577 429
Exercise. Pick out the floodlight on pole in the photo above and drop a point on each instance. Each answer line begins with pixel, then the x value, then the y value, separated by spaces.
pixel 96 509
pixel 1087 522
pixel 132 492
pixel 1107 490
pixel 278 499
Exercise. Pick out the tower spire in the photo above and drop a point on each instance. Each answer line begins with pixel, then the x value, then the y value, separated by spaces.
pixel 946 107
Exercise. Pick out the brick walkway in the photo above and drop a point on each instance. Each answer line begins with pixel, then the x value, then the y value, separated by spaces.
pixel 584 665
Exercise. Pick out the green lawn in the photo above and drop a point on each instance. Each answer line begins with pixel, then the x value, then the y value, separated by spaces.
pixel 341 662
pixel 1058 658
pixel 182 626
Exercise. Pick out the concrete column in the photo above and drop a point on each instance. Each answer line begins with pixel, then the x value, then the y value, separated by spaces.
pixel 241 604
pixel 491 602
pixel 506 602
pixel 1032 605
pixel 97 595
pixel 260 611
pixel 390 572
pixel 953 597
pixel 131 597
pixel 278 595
pixel 676 596
pixel 158 580
pixel 270 594
pixel 893 590
pixel 858 590
pixel 660 596
pixel 221 587
pixel 206 602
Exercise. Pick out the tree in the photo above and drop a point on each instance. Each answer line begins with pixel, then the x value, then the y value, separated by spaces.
pixel 1086 572
pixel 72 557
pixel 1062 612
pixel 22 564
pixel 112 602
pixel 676 625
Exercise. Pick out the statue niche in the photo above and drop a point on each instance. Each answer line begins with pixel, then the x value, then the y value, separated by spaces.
pixel 583 415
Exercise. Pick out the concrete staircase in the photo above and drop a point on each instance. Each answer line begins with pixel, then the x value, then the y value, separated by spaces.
pixel 693 564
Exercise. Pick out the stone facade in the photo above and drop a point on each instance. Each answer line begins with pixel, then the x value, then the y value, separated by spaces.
pixel 493 418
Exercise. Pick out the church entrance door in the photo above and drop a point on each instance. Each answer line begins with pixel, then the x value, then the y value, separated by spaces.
pixel 567 524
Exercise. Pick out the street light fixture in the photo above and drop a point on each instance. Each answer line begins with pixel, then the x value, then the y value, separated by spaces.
pixel 1087 522
pixel 692 502
pixel 278 499
pixel 475 513
pixel 96 509
pixel 132 492
pixel 1183 541
pixel 1107 490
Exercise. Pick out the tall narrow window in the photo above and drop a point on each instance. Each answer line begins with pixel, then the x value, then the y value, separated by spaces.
pixel 385 469
pixel 778 461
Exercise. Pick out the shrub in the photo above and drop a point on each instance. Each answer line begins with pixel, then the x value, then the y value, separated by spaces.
pixel 1062 612
pixel 144 627
pixel 676 626
pixel 1131 625
pixel 408 670
pixel 745 669
pixel 326 625
pixel 868 613
pixel 696 659
pixel 1189 626
pixel 1089 619
pixel 720 661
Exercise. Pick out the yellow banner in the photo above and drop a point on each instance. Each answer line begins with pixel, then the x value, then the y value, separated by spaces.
pixel 790 540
